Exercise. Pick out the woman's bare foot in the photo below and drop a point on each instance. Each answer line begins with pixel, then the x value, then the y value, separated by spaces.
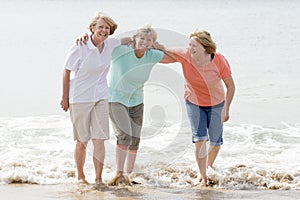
pixel 99 185
pixel 119 179
pixel 82 181
pixel 203 182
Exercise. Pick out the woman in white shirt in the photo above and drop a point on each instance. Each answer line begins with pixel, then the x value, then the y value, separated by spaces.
pixel 85 92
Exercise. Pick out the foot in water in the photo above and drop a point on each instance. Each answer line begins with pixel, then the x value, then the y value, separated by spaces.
pixel 120 180
pixel 202 182
pixel 82 182
pixel 100 186
pixel 207 183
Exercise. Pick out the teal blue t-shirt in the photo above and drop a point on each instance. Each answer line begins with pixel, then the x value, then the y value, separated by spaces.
pixel 128 74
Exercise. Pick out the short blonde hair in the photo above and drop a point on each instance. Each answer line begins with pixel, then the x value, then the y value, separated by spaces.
pixel 112 24
pixel 204 38
pixel 145 30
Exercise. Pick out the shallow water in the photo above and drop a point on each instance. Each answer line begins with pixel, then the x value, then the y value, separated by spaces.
pixel 40 150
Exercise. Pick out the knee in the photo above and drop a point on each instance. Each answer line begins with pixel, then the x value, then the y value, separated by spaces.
pixel 200 145
pixel 215 148
pixel 98 146
pixel 81 145
pixel 98 143
pixel 122 147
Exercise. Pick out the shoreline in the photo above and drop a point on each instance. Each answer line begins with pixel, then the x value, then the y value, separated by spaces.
pixel 75 191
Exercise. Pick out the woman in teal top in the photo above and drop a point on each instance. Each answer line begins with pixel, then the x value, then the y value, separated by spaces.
pixel 131 67
pixel 129 73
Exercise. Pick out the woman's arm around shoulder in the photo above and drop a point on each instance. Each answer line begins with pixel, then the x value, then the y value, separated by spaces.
pixel 168 54
pixel 126 40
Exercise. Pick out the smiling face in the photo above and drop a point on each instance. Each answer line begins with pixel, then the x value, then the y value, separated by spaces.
pixel 144 41
pixel 101 30
pixel 144 37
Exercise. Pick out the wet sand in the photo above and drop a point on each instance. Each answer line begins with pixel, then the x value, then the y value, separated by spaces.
pixel 73 191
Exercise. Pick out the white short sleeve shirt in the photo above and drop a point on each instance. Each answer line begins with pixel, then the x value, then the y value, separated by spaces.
pixel 89 69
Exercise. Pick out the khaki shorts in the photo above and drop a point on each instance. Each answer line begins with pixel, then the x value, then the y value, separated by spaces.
pixel 127 123
pixel 90 120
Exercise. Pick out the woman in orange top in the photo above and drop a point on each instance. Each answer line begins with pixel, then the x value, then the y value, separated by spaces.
pixel 207 105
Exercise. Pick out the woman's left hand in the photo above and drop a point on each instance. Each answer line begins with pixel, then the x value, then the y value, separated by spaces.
pixel 225 114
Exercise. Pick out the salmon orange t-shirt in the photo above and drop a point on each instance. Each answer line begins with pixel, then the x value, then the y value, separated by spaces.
pixel 203 85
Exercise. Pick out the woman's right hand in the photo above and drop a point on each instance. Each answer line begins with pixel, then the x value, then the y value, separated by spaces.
pixel 64 104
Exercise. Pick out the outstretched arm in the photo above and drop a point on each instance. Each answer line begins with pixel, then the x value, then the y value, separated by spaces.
pixel 85 37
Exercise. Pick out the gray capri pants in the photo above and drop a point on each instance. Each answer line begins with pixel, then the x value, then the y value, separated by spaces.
pixel 127 123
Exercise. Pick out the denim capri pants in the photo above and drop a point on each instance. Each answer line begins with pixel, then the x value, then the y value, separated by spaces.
pixel 206 123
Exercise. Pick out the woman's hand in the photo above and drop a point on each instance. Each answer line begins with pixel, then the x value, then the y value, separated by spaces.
pixel 225 114
pixel 126 41
pixel 230 86
pixel 168 55
pixel 65 95
pixel 82 40
pixel 64 104
pixel 158 46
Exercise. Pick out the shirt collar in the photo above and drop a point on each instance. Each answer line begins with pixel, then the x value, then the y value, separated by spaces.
pixel 90 43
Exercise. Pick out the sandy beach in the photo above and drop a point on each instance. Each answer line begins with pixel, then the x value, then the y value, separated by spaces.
pixel 73 191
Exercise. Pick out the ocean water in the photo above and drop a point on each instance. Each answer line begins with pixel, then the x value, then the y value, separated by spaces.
pixel 40 149
pixel 261 141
